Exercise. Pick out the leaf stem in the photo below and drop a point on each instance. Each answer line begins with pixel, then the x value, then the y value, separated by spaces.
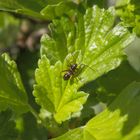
pixel 35 114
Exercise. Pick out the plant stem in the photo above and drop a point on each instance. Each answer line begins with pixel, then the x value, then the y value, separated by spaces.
pixel 35 114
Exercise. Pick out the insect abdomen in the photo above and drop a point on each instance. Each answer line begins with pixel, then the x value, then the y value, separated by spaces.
pixel 67 76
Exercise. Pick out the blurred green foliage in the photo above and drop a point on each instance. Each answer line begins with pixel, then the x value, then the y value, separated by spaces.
pixel 7 130
pixel 112 91
pixel 129 12
pixel 9 27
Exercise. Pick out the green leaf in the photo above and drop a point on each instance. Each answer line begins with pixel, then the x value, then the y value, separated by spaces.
pixel 53 94
pixel 117 122
pixel 42 9
pixel 101 48
pixel 12 92
pixel 7 129
pixel 76 134
pixel 59 9
pixel 30 129
pixel 87 42
pixel 55 47
pixel 30 7
pixel 122 76
pixel 107 87
pixel 128 10
pixel 118 118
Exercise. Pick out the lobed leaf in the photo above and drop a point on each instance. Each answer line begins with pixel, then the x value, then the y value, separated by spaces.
pixel 117 122
pixel 106 88
pixel 59 9
pixel 101 48
pixel 29 8
pixel 50 93
pixel 12 92
pixel 42 9
pixel 90 42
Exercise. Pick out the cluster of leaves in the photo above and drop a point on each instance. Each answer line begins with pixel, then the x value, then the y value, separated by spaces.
pixel 85 36
pixel 129 11
pixel 83 42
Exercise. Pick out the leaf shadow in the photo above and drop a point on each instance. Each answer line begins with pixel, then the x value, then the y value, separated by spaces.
pixel 128 103
pixel 110 90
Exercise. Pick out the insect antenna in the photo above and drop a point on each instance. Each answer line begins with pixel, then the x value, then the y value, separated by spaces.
pixel 87 67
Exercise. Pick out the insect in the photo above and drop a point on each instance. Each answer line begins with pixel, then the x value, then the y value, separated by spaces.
pixel 74 69
pixel 70 72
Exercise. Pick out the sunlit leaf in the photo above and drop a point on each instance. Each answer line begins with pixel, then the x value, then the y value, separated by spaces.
pixel 92 44
pixel 59 9
pixel 50 92
pixel 42 9
pixel 129 12
pixel 30 7
pixel 117 122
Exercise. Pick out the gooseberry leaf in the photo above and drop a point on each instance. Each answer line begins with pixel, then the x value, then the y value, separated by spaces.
pixel 116 122
pixel 104 87
pixel 56 10
pixel 42 9
pixel 12 92
pixel 51 93
pixel 101 46
pixel 92 44
pixel 29 8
